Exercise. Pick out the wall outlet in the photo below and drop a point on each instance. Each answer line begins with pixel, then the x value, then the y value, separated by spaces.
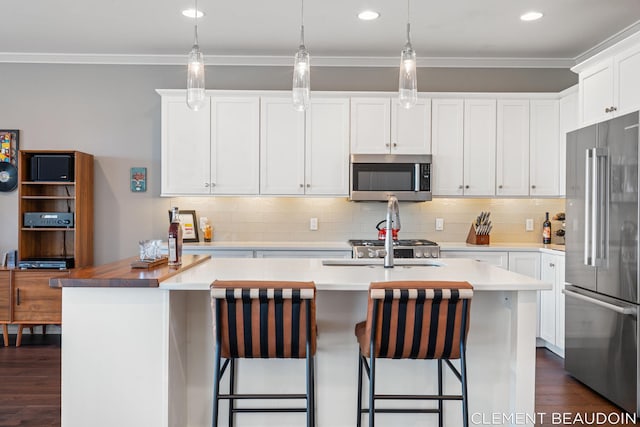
pixel 313 224
pixel 439 224
pixel 528 225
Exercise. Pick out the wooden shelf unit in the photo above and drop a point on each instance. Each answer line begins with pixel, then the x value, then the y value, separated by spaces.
pixel 57 196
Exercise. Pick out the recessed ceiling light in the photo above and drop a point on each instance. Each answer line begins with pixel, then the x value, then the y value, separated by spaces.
pixel 531 16
pixel 191 13
pixel 368 15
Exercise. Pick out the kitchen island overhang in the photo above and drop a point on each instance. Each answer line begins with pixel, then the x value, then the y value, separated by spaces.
pixel 143 356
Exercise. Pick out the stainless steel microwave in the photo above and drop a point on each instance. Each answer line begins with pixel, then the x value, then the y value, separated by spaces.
pixel 375 176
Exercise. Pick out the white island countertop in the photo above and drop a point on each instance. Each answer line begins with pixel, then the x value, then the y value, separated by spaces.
pixel 481 275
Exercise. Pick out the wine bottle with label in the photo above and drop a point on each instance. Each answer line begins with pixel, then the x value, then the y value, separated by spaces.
pixel 546 230
pixel 175 239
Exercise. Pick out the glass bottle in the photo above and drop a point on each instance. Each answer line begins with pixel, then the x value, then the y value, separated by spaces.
pixel 175 239
pixel 546 230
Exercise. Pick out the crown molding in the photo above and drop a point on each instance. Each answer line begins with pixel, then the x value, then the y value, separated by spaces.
pixel 621 40
pixel 284 61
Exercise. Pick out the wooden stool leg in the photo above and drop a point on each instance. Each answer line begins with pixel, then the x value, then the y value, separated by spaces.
pixel 5 334
pixel 19 337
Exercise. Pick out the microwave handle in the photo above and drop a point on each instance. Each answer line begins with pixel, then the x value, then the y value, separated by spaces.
pixel 416 177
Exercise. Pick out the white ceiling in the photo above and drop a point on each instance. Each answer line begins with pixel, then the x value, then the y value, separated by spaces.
pixel 267 31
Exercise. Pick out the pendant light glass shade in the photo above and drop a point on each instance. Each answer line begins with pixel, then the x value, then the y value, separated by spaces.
pixel 408 81
pixel 301 91
pixel 195 74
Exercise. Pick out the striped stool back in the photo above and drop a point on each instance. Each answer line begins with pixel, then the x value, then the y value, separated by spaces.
pixel 417 320
pixel 263 319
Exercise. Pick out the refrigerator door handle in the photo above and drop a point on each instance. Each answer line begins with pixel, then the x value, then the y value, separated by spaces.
pixel 627 311
pixel 600 219
pixel 590 207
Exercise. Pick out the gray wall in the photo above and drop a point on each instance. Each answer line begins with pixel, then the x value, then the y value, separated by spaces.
pixel 113 112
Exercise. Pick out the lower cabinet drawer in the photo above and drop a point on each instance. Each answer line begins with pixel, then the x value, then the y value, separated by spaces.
pixel 33 300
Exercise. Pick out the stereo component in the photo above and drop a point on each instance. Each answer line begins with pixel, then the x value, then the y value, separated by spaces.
pixel 47 263
pixel 48 219
pixel 52 167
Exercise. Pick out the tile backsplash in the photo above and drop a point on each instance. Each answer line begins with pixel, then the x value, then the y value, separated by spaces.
pixel 287 219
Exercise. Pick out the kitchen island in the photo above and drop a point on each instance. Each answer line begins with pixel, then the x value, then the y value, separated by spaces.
pixel 142 356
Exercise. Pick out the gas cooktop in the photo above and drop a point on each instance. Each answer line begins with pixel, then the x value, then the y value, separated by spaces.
pixel 403 242
pixel 406 248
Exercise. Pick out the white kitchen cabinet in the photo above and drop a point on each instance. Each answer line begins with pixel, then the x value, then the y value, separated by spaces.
pixel 568 122
pixel 304 153
pixel 512 147
pixel 610 88
pixel 211 151
pixel 544 148
pixel 381 126
pixel 527 263
pixel 479 147
pixel 185 146
pixel 282 145
pixel 497 258
pixel 327 147
pixel 235 145
pixel 447 145
pixel 411 128
pixel 552 303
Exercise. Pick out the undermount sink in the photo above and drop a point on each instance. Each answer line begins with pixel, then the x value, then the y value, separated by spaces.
pixel 379 262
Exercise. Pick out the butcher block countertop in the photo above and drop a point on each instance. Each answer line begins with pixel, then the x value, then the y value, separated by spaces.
pixel 120 274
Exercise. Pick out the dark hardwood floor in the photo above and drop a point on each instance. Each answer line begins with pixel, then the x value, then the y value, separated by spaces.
pixel 30 386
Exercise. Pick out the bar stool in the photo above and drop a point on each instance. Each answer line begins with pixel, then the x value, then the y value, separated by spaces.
pixel 414 320
pixel 284 313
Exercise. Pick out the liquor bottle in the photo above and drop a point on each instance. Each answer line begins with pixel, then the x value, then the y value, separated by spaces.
pixel 175 239
pixel 546 230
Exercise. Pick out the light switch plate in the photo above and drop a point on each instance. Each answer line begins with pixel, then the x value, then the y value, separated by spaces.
pixel 528 224
pixel 439 224
pixel 313 224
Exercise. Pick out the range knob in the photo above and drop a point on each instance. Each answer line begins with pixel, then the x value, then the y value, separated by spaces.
pixel 371 254
pixel 434 254
pixel 360 254
pixel 381 253
pixel 417 253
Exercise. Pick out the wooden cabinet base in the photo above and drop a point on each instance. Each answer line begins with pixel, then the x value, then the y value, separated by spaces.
pixel 5 335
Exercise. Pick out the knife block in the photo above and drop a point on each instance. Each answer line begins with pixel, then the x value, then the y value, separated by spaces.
pixel 476 239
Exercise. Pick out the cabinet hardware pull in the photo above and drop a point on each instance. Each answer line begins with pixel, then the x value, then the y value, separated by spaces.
pixel 551 265
pixel 386 145
pixel 533 186
pixel 607 110
pixel 308 185
pixel 206 184
pixel 614 109
pixel 466 186
pixel 18 296
pixel 500 186
pixel 395 144
pixel 460 187
pixel 213 184
pixel 301 185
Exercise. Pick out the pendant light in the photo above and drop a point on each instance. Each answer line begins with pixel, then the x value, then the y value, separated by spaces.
pixel 408 81
pixel 301 71
pixel 195 73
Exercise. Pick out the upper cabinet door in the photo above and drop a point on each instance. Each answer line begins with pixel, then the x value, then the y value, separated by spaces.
pixel 447 147
pixel 411 128
pixel 544 149
pixel 626 82
pixel 512 148
pixel 479 147
pixel 327 147
pixel 235 145
pixel 185 148
pixel 569 122
pixel 596 93
pixel 281 147
pixel 370 125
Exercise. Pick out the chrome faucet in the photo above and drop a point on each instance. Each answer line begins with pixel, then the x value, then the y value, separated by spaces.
pixel 393 217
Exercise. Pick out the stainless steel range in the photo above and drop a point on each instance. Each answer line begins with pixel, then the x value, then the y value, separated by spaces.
pixel 411 248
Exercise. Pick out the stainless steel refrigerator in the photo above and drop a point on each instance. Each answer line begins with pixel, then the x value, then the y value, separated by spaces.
pixel 602 218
